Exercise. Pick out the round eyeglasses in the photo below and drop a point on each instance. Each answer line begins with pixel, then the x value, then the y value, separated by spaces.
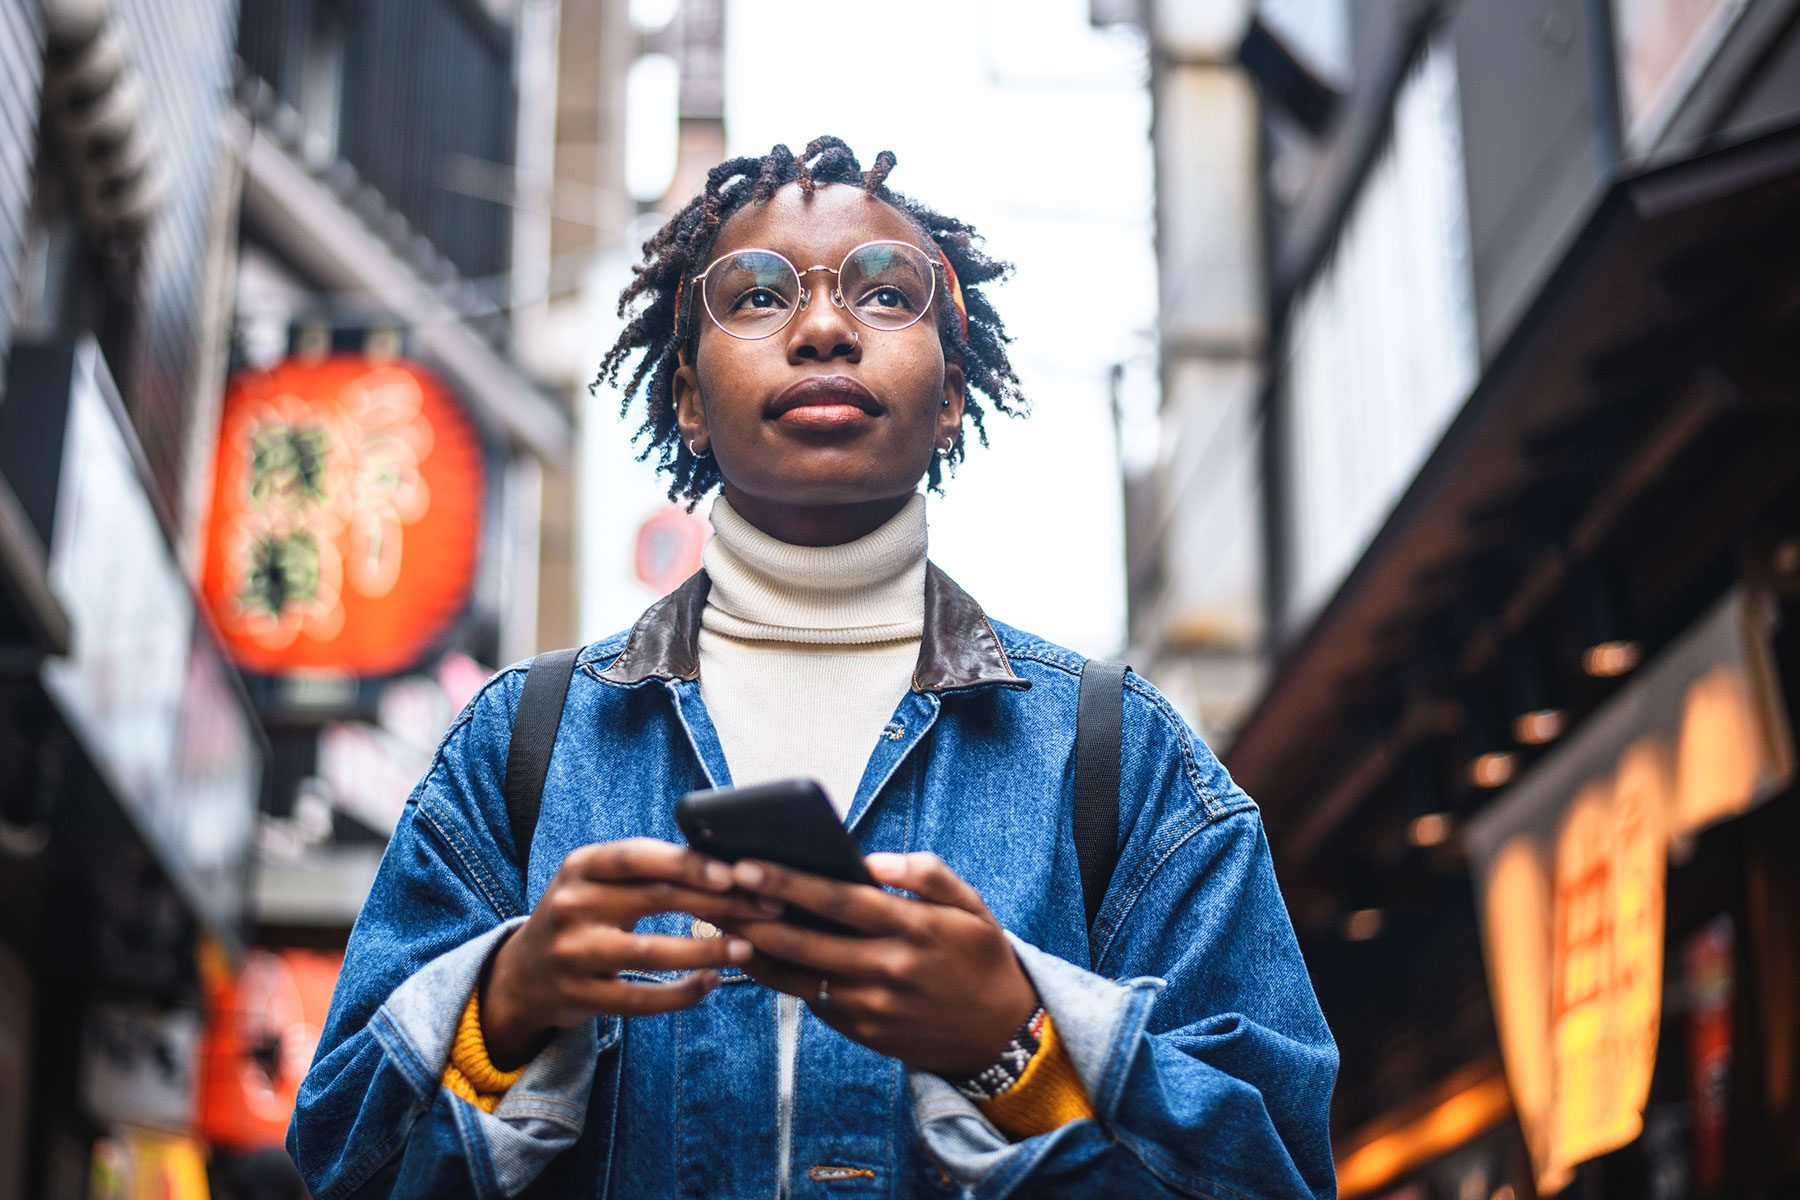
pixel 754 293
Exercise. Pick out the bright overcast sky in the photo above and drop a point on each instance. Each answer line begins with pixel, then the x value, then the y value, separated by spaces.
pixel 1018 116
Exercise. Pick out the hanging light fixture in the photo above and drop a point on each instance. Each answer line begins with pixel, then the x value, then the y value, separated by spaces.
pixel 1428 820
pixel 1489 762
pixel 1535 718
pixel 1607 651
pixel 1364 905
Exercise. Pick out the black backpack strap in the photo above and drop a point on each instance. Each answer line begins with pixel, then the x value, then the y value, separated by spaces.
pixel 533 739
pixel 1099 719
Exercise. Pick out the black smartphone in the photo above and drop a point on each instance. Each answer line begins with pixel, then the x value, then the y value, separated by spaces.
pixel 789 822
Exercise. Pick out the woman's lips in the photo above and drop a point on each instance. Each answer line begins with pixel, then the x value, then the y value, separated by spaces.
pixel 825 416
pixel 825 402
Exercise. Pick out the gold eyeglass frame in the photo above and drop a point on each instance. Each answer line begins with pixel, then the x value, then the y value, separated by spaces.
pixel 837 293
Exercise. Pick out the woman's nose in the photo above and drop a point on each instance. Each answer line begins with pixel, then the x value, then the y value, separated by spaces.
pixel 824 330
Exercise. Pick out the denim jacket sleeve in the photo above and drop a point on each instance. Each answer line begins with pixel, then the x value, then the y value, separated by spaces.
pixel 1208 1062
pixel 372 1118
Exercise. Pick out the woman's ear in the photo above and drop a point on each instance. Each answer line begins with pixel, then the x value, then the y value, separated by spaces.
pixel 950 412
pixel 690 414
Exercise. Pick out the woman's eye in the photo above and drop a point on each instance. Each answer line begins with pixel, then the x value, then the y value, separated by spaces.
pixel 758 298
pixel 887 297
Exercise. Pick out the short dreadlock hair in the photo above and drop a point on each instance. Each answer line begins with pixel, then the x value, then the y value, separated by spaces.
pixel 682 247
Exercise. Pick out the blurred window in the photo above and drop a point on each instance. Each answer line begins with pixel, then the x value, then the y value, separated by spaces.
pixel 321 77
pixel 1381 349
pixel 1316 32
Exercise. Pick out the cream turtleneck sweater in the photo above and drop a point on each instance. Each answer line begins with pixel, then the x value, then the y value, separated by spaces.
pixel 805 651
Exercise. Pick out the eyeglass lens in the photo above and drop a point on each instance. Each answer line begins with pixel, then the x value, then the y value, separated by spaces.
pixel 754 293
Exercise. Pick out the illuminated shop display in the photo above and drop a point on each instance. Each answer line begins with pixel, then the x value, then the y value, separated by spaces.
pixel 346 516
pixel 1572 871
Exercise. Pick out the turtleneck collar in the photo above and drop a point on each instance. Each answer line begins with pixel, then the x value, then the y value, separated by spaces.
pixel 868 590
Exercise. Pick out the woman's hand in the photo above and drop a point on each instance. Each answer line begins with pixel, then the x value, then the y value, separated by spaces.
pixel 561 966
pixel 934 983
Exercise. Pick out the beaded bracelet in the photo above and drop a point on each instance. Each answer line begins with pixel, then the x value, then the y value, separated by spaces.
pixel 994 1081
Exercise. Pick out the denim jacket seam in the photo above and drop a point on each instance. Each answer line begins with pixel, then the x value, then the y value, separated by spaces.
pixel 1209 799
pixel 399 1053
pixel 472 867
pixel 1049 658
pixel 547 1107
pixel 1161 852
pixel 402 1054
pixel 1006 1177
pixel 371 1161
pixel 1157 1163
pixel 1213 807
pixel 1127 1041
pixel 468 714
pixel 465 1117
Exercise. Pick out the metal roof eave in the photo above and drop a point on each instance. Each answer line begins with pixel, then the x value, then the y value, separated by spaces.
pixel 1540 375
pixel 309 224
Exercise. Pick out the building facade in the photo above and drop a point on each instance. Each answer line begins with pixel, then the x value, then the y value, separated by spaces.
pixel 280 483
pixel 380 151
pixel 130 757
pixel 1503 478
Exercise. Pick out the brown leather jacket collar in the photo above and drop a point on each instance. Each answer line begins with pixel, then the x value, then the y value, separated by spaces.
pixel 959 648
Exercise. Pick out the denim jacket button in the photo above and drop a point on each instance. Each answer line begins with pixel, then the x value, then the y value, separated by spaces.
pixel 704 929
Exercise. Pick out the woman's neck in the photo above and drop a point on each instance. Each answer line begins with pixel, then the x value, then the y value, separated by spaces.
pixel 813 524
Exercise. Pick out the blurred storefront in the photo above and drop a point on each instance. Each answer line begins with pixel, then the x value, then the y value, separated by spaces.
pixel 273 503
pixel 130 758
pixel 391 503
pixel 1525 516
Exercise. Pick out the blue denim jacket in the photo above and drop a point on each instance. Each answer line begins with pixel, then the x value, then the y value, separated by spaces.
pixel 1195 1031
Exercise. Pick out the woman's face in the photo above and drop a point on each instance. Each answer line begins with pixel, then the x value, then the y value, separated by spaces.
pixel 827 414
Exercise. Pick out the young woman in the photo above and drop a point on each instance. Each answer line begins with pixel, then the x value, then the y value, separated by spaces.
pixel 577 1024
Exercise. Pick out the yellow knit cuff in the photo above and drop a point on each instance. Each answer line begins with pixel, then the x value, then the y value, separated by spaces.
pixel 1047 1096
pixel 470 1073
pixel 459 1085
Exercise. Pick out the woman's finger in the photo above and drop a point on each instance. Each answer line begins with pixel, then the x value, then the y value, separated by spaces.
pixel 795 980
pixel 856 957
pixel 927 876
pixel 845 1002
pixel 648 858
pixel 630 998
pixel 625 903
pixel 857 905
pixel 604 951
pixel 576 903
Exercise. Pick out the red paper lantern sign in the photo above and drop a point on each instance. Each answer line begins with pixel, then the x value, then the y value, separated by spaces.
pixel 263 1026
pixel 346 516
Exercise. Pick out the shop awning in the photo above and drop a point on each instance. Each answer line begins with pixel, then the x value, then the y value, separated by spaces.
pixel 30 617
pixel 1632 414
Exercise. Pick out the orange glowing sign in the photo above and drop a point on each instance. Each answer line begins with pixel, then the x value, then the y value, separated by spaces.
pixel 1572 868
pixel 346 516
